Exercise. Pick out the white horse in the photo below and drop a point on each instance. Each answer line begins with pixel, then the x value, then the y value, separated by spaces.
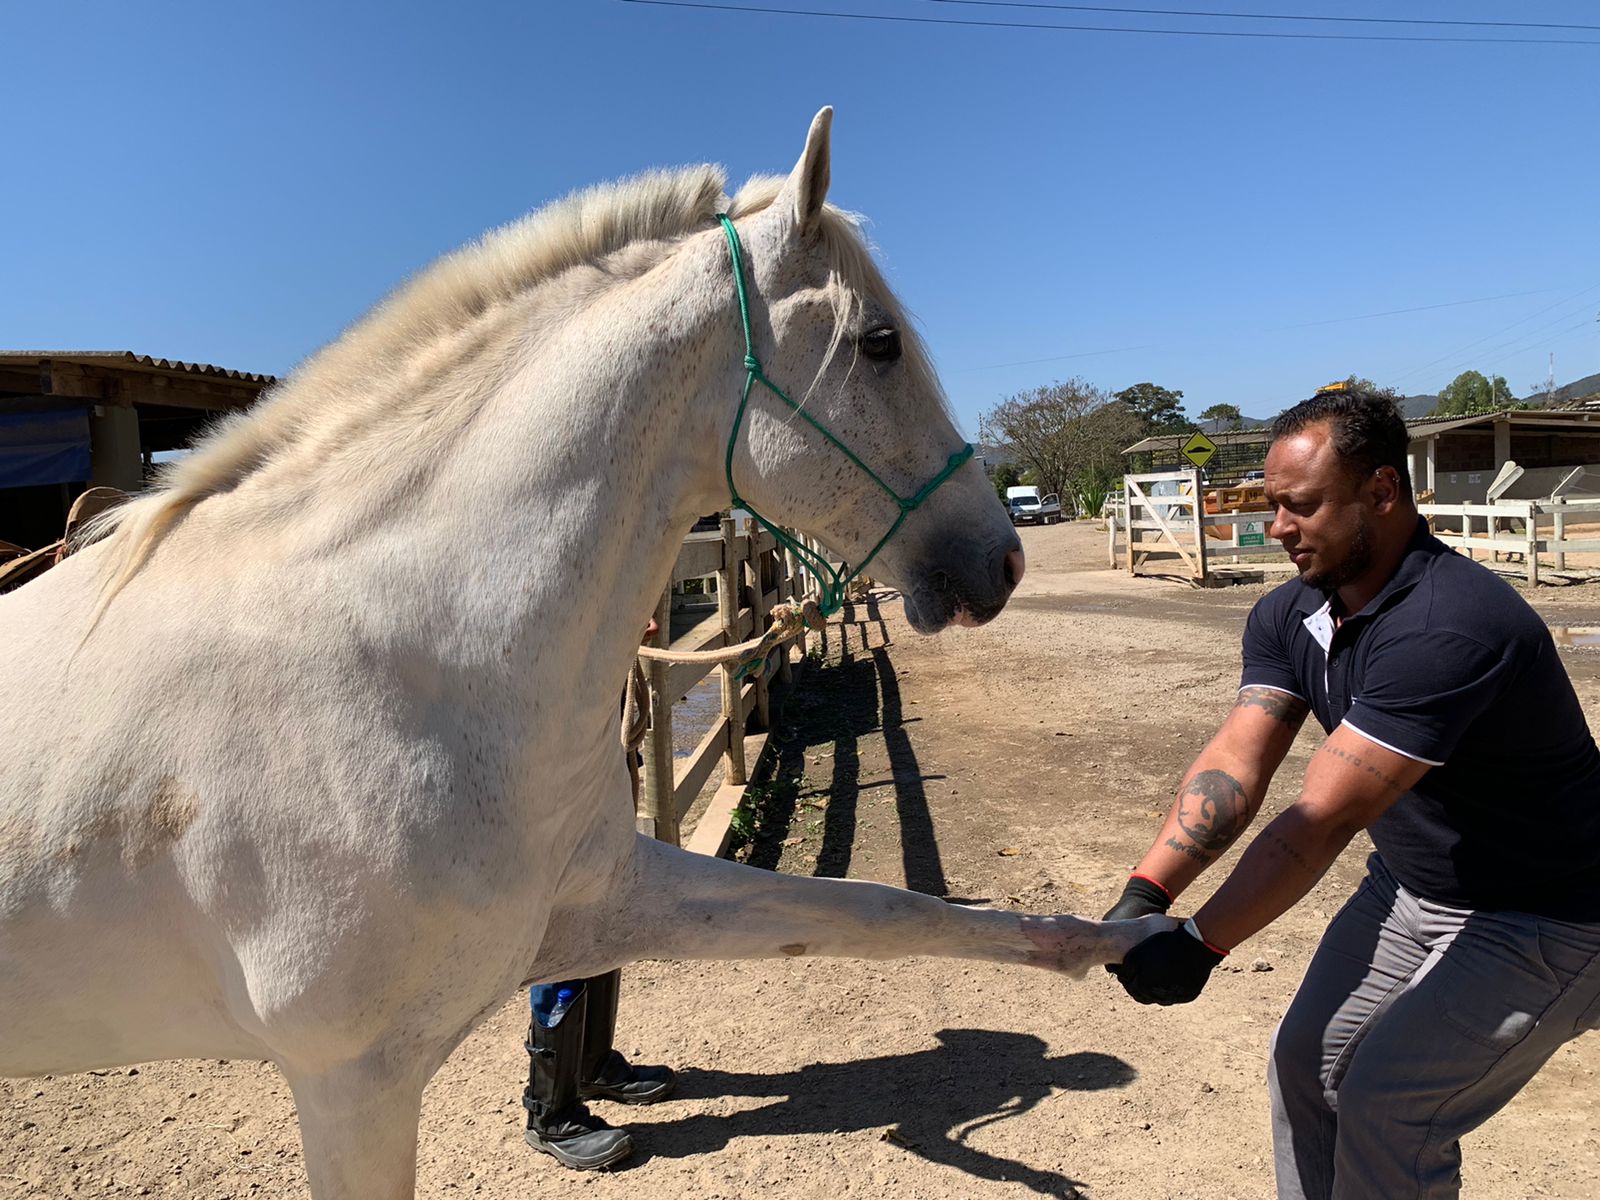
pixel 279 787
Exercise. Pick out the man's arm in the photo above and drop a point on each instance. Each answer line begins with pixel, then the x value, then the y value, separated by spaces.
pixel 1349 783
pixel 1224 786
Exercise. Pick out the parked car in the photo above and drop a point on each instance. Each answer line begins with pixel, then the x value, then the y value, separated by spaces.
pixel 1028 506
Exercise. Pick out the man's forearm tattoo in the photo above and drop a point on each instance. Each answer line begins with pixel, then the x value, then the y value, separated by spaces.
pixel 1212 810
pixel 1355 760
pixel 1284 848
pixel 1280 706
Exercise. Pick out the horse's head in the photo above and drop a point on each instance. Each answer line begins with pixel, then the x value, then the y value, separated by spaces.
pixel 829 332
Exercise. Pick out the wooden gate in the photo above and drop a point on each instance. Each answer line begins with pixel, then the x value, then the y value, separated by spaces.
pixel 1164 520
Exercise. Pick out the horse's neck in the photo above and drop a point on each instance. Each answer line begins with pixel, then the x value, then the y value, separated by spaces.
pixel 592 459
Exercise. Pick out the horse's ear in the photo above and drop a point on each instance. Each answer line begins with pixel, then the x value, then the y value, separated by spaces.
pixel 808 182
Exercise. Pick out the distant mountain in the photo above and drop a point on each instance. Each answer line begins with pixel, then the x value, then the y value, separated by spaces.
pixel 1587 386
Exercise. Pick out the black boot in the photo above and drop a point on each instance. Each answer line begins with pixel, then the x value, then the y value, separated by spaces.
pixel 606 1075
pixel 558 1123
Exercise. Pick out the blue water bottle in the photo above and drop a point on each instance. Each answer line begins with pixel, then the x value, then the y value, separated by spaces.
pixel 564 999
pixel 551 1004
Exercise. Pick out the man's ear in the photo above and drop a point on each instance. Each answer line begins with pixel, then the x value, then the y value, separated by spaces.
pixel 1386 491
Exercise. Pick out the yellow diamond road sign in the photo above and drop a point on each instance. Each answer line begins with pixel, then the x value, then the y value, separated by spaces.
pixel 1199 449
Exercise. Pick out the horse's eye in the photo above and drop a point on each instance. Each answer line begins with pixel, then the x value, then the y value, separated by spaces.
pixel 881 344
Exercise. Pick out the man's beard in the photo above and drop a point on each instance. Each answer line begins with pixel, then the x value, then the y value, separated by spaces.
pixel 1354 565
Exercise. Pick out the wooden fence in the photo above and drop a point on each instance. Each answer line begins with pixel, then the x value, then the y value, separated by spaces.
pixel 1517 528
pixel 1163 529
pixel 1158 515
pixel 752 574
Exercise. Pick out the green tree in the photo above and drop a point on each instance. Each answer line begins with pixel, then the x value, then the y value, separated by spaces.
pixel 1223 414
pixel 1473 392
pixel 1006 475
pixel 1159 409
pixel 1070 436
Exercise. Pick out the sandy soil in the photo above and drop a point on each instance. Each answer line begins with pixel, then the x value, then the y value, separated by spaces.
pixel 1025 765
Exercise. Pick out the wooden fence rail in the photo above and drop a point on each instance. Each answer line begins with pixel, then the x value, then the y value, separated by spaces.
pixel 753 573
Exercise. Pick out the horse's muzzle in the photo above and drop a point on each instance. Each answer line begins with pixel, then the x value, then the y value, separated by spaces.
pixel 959 595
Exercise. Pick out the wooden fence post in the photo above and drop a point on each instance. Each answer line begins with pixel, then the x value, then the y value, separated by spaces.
pixel 782 565
pixel 660 802
pixel 754 561
pixel 1558 505
pixel 1133 490
pixel 797 593
pixel 1533 545
pixel 734 771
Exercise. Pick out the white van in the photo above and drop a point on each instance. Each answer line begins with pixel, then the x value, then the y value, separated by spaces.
pixel 1027 506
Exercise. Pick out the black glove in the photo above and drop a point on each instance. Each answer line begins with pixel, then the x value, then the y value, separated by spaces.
pixel 1167 968
pixel 1139 898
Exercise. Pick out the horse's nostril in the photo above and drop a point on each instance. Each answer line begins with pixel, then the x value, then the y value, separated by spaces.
pixel 1015 564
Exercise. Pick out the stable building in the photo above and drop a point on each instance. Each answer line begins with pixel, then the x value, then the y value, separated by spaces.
pixel 1457 458
pixel 71 419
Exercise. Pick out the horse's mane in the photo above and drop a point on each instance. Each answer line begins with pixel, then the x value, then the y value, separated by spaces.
pixel 438 304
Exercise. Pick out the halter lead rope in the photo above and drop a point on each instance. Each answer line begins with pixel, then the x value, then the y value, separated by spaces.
pixel 789 620
pixel 832 583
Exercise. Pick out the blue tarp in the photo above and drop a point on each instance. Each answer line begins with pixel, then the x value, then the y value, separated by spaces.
pixel 44 446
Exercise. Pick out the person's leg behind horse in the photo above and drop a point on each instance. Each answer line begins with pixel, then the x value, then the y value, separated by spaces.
pixel 559 1124
pixel 606 1074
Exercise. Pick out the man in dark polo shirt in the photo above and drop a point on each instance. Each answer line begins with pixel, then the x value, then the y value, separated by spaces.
pixel 1471 951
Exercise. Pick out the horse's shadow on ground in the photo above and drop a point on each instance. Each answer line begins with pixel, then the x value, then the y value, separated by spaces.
pixel 929 1102
pixel 855 695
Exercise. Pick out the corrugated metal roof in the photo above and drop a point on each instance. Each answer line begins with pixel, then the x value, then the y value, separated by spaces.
pixel 1433 426
pixel 1589 403
pixel 1425 427
pixel 128 360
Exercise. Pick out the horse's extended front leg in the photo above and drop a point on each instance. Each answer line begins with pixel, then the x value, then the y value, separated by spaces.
pixel 680 905
pixel 358 1126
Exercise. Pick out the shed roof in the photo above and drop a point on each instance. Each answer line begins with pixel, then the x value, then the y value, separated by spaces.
pixel 1429 427
pixel 1175 441
pixel 127 360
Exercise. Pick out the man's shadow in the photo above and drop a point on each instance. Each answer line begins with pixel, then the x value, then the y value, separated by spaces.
pixel 931 1101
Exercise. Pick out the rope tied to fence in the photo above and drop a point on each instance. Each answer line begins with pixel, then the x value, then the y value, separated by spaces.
pixel 788 621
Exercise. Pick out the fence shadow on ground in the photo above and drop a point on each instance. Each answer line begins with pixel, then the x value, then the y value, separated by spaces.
pixel 851 693
pixel 929 1102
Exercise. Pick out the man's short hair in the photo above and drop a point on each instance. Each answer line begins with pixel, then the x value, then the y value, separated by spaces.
pixel 1368 430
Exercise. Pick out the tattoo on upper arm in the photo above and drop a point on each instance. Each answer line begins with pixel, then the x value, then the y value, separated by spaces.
pixel 1213 810
pixel 1280 706
pixel 1355 760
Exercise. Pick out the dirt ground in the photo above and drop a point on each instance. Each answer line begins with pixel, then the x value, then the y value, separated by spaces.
pixel 1025 765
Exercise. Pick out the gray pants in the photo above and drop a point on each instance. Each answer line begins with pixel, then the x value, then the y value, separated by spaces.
pixel 1416 1023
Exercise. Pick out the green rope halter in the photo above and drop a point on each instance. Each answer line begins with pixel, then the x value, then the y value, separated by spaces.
pixel 833 583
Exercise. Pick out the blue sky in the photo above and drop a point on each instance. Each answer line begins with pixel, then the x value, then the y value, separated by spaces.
pixel 236 183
